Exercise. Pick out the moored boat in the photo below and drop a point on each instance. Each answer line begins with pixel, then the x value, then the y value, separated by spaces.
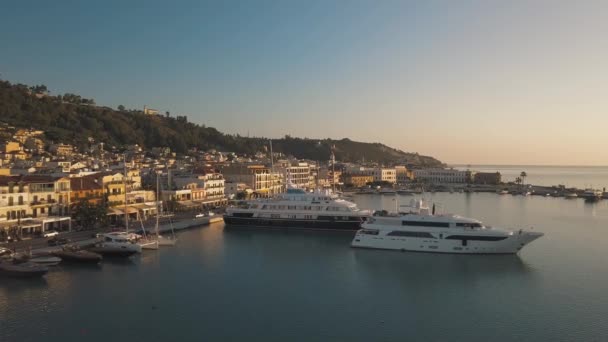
pixel 592 195
pixel 421 230
pixel 25 269
pixel 47 260
pixel 320 210
pixel 75 254
pixel 116 245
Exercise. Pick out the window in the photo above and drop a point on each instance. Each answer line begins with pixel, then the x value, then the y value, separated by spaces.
pixel 20 200
pixel 468 225
pixel 411 234
pixel 275 216
pixel 475 238
pixel 369 231
pixel 426 224
pixel 10 200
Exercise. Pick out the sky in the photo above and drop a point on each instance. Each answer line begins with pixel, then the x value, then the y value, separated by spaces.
pixel 468 82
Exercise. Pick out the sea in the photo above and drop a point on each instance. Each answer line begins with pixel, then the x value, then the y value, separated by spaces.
pixel 226 284
pixel 581 177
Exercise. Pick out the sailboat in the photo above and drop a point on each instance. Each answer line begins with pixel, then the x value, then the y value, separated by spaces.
pixel 162 240
pixel 144 242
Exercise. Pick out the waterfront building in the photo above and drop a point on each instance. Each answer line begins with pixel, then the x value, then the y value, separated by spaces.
pixel 49 196
pixel 356 180
pixel 490 178
pixel 403 175
pixel 388 175
pixel 14 199
pixel 297 174
pixel 442 176
pixel 214 186
pixel 86 188
pixel 262 180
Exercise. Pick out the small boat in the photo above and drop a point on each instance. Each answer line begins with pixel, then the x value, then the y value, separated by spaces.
pixel 592 195
pixel 406 192
pixel 503 192
pixel 166 241
pixel 387 192
pixel 25 269
pixel 45 260
pixel 75 254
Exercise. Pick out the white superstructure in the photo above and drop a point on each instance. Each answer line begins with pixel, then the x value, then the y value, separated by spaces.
pixel 298 209
pixel 422 231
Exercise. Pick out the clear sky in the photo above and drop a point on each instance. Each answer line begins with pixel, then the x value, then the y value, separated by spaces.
pixel 505 82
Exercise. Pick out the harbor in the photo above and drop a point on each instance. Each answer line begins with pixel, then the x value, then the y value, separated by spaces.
pixel 358 294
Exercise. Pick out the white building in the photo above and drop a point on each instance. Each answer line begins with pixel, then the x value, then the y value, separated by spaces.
pixel 442 176
pixel 384 175
pixel 298 175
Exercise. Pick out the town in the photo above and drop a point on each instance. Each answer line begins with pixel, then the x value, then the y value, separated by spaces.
pixel 56 187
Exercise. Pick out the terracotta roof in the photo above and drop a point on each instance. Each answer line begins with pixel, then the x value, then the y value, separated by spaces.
pixel 84 183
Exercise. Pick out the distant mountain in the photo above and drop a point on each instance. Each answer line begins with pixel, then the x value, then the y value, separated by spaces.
pixel 71 119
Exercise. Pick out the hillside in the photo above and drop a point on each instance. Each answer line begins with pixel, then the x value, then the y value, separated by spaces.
pixel 71 119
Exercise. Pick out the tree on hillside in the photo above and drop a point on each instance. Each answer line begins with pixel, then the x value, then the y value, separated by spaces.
pixel 121 108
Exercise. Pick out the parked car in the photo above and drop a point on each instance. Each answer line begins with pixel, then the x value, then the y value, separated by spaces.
pixel 50 233
pixel 58 241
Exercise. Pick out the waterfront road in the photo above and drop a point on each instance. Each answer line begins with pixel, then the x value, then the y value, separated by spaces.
pixel 40 243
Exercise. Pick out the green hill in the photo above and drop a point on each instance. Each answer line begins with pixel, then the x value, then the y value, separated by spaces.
pixel 71 119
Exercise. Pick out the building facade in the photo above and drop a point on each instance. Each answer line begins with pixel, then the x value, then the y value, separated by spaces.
pixel 493 178
pixel 443 176
pixel 356 180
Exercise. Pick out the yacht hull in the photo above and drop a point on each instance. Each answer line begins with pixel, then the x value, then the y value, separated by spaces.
pixel 510 245
pixel 314 224
pixel 113 252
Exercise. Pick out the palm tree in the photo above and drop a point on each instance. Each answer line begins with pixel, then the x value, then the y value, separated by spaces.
pixel 518 180
pixel 523 176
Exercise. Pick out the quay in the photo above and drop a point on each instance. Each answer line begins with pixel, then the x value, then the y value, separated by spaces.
pixel 87 238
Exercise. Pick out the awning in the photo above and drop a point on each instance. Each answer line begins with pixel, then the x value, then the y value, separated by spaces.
pixel 131 210
pixel 188 204
pixel 114 211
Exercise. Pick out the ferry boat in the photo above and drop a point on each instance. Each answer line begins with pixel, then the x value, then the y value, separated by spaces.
pixel 421 230
pixel 321 210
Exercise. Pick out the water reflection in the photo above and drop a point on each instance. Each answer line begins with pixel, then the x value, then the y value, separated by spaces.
pixel 451 265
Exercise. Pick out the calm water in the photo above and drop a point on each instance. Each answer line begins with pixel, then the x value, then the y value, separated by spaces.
pixel 275 286
pixel 572 176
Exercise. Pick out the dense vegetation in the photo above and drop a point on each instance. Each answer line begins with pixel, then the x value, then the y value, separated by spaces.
pixel 71 119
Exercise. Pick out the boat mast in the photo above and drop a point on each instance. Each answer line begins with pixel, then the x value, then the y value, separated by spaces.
pixel 124 182
pixel 157 202
pixel 333 168
pixel 271 170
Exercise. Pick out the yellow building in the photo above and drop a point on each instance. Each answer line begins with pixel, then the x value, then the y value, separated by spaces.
pixel 10 146
pixel 355 180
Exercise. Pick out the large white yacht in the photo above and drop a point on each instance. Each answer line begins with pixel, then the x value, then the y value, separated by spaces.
pixel 299 209
pixel 421 230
